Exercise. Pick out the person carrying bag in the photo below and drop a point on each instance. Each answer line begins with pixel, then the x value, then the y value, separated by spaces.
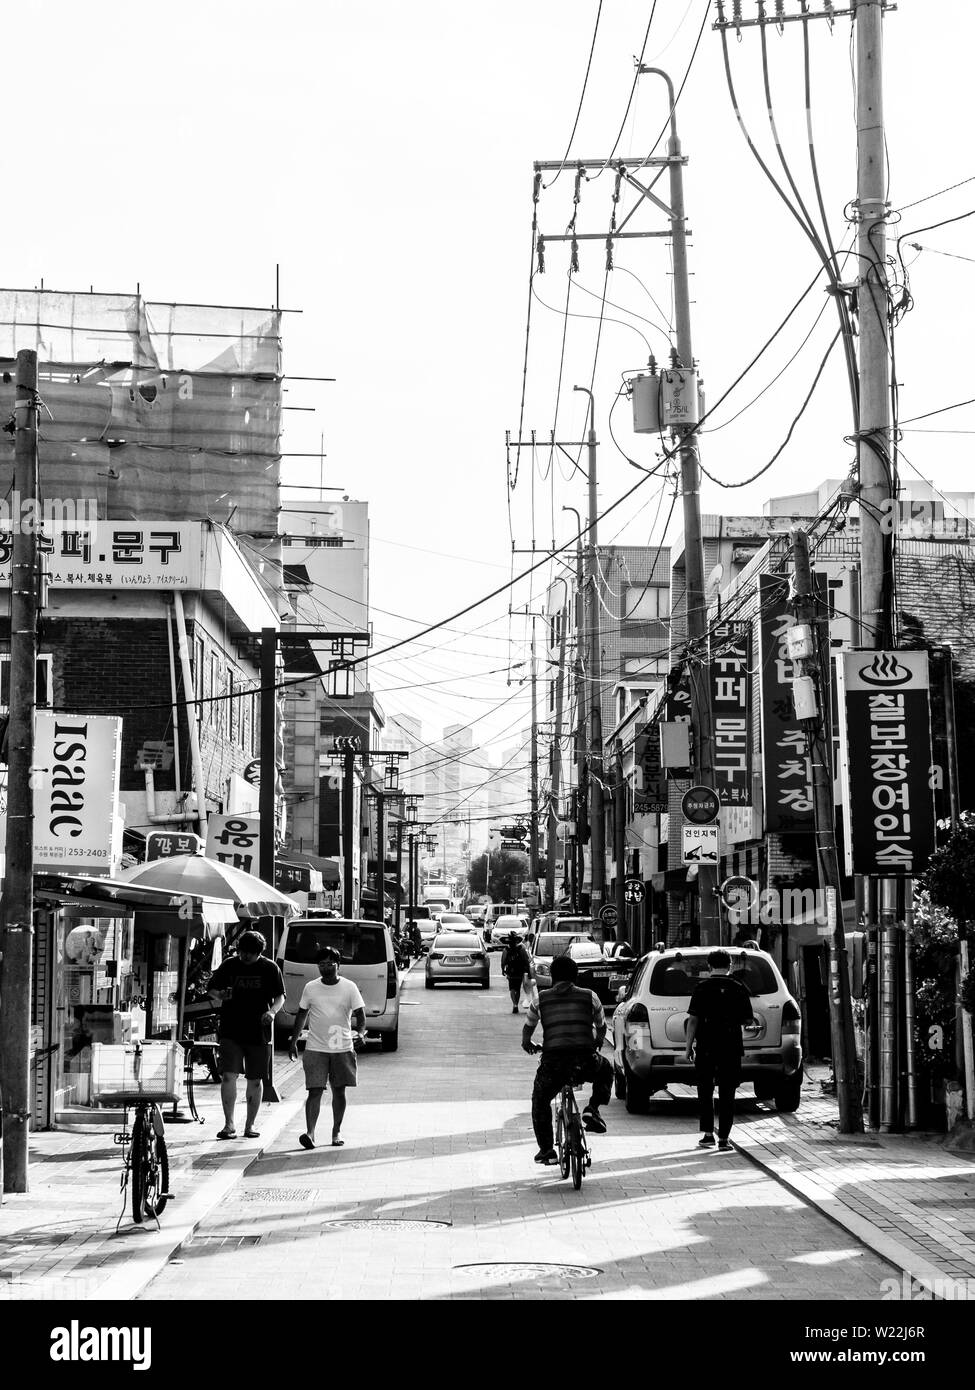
pixel 515 966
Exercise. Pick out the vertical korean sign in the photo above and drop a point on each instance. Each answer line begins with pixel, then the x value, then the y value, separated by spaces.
pixel 885 751
pixel 731 645
pixel 650 789
pixel 76 780
pixel 787 775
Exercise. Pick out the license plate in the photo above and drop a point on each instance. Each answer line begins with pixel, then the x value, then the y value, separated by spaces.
pixel 600 974
pixel 207 1038
pixel 457 960
pixel 618 979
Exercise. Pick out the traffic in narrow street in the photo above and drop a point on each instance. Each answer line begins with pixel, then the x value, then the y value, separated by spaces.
pixel 435 1195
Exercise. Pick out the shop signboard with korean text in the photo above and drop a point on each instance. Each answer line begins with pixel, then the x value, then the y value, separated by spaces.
pixel 76 781
pixel 787 772
pixel 115 554
pixel 163 844
pixel 732 705
pixel 235 840
pixel 650 779
pixel 885 751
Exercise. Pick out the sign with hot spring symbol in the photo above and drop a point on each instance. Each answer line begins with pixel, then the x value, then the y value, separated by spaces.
pixel 885 759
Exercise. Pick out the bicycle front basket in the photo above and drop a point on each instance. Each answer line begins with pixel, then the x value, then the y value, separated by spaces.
pixel 122 1073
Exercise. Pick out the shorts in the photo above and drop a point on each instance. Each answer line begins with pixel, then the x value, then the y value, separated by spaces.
pixel 249 1058
pixel 328 1068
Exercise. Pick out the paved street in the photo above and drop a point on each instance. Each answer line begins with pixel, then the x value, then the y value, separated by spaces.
pixel 435 1194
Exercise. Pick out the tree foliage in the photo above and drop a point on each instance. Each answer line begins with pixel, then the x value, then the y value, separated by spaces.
pixel 949 879
pixel 934 937
pixel 508 869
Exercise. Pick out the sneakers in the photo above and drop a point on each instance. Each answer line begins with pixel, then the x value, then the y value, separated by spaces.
pixel 724 1146
pixel 546 1156
pixel 706 1141
pixel 593 1121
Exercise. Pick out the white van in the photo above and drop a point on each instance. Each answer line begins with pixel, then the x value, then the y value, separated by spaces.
pixel 368 960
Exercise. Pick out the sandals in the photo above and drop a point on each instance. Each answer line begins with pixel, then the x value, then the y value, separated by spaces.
pixel 228 1132
pixel 252 1134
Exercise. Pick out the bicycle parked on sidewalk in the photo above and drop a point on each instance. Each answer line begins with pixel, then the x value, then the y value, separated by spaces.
pixel 139 1077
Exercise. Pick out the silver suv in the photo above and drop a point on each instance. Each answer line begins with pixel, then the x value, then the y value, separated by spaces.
pixel 650 1026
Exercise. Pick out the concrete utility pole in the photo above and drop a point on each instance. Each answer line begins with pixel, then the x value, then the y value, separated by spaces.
pixel 877 505
pixel 17 905
pixel 816 666
pixel 619 840
pixel 597 814
pixel 556 789
pixel 533 861
pixel 694 600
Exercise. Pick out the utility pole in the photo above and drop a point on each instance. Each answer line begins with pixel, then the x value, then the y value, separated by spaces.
pixel 619 839
pixel 597 814
pixel 17 905
pixel 350 834
pixel 878 508
pixel 554 820
pixel 533 869
pixel 695 606
pixel 816 667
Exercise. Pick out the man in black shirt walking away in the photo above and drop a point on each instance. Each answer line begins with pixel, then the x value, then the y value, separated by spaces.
pixel 250 991
pixel 719 1007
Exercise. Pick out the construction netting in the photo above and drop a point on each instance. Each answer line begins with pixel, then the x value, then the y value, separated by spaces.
pixel 153 411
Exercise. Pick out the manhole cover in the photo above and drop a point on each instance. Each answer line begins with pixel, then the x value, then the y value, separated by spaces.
pixel 514 1270
pixel 382 1224
pixel 280 1194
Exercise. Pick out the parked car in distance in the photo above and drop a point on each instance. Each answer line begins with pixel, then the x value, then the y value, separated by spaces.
pixel 476 912
pixel 368 960
pixel 650 1026
pixel 603 975
pixel 457 957
pixel 501 928
pixel 546 947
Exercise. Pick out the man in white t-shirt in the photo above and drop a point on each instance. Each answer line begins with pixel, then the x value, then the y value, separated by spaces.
pixel 333 1008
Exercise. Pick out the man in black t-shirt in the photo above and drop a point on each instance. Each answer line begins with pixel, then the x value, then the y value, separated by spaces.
pixel 250 991
pixel 719 1007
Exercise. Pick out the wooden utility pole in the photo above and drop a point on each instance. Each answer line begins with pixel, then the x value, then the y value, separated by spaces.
pixel 816 666
pixel 17 905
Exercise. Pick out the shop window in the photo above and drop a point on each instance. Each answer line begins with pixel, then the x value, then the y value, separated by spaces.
pixel 42 681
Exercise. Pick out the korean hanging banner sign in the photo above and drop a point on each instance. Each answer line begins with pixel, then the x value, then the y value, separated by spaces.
pixel 885 759
pixel 650 787
pixel 787 775
pixel 731 702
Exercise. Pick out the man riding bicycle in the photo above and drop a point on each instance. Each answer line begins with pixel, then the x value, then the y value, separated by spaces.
pixel 573 1028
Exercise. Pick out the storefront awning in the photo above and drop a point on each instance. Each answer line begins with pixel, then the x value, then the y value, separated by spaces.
pixel 177 914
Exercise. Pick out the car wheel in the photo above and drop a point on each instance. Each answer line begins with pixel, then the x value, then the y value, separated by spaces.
pixel 428 984
pixel 764 1090
pixel 637 1093
pixel 619 1083
pixel 389 1042
pixel 788 1094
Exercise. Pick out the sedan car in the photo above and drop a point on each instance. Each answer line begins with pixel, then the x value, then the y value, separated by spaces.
pixel 458 958
pixel 605 976
pixel 453 921
pixel 548 945
pixel 650 1027
pixel 502 928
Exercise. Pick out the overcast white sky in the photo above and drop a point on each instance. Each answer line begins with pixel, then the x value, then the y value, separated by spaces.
pixel 382 154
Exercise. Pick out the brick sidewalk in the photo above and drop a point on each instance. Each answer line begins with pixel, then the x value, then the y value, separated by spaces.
pixel 904 1196
pixel 59 1240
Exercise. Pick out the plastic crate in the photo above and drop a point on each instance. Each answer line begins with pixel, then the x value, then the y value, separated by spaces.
pixel 122 1073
